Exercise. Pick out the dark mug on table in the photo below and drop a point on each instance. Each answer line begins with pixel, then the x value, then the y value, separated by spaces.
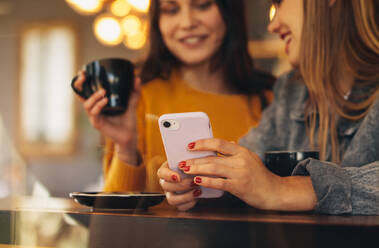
pixel 282 163
pixel 115 76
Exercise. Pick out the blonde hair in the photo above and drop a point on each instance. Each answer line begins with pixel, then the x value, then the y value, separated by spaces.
pixel 338 39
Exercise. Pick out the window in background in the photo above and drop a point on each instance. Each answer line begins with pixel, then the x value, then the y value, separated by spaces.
pixel 12 167
pixel 47 64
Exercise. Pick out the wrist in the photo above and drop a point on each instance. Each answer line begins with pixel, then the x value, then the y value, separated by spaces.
pixel 295 193
pixel 129 155
pixel 275 199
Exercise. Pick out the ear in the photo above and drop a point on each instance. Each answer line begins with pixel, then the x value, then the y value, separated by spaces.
pixel 332 2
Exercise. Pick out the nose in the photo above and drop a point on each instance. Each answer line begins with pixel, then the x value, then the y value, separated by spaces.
pixel 188 19
pixel 274 25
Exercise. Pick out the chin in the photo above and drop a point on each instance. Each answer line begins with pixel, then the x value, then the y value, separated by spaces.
pixel 294 62
pixel 191 61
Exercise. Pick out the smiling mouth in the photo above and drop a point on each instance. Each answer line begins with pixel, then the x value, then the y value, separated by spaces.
pixel 287 40
pixel 193 40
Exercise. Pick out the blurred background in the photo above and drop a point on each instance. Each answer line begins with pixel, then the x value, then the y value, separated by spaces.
pixel 47 146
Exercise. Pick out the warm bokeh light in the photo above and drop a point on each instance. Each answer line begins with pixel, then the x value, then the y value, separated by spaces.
pixel 120 8
pixel 145 27
pixel 140 5
pixel 117 25
pixel 131 25
pixel 86 6
pixel 108 30
pixel 272 13
pixel 137 41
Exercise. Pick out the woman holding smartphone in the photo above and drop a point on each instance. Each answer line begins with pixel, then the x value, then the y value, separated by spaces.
pixel 331 103
pixel 198 61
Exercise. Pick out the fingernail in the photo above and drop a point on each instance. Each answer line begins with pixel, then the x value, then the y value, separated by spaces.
pixel 182 164
pixel 197 179
pixel 186 168
pixel 174 178
pixel 197 193
pixel 191 145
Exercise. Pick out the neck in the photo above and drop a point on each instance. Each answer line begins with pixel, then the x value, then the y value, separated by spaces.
pixel 199 77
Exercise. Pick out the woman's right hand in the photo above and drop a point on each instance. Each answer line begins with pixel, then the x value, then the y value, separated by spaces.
pixel 171 183
pixel 120 129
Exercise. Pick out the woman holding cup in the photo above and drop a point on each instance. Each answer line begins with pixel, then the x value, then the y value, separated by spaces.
pixel 198 61
pixel 330 102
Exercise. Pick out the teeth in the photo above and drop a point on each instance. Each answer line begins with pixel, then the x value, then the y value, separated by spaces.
pixel 287 39
pixel 192 40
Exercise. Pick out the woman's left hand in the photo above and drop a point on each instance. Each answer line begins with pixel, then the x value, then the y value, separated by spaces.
pixel 172 183
pixel 238 171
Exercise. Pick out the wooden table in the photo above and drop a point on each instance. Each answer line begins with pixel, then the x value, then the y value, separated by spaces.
pixel 56 222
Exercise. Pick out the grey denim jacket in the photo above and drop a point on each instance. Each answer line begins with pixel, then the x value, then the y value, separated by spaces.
pixel 351 187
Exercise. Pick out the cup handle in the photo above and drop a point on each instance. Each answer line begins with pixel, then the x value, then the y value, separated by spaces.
pixel 80 93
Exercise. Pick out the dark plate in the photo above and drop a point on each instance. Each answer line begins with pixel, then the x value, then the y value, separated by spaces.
pixel 101 200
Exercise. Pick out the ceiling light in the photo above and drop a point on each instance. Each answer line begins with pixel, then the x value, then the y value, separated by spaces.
pixel 86 7
pixel 108 30
pixel 131 25
pixel 140 5
pixel 120 8
pixel 136 42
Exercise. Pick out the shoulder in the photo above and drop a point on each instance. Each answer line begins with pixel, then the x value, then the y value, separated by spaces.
pixel 362 93
pixel 288 81
pixel 289 87
pixel 373 113
pixel 375 105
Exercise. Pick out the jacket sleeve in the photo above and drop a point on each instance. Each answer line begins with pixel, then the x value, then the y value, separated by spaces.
pixel 343 190
pixel 351 187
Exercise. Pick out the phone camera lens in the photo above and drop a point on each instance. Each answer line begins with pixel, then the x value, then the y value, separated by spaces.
pixel 166 124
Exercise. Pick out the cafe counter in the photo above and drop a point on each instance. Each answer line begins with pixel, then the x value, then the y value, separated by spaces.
pixel 60 222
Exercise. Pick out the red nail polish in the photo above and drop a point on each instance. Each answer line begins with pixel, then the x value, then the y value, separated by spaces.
pixel 191 145
pixel 174 178
pixel 198 180
pixel 197 193
pixel 182 164
pixel 186 168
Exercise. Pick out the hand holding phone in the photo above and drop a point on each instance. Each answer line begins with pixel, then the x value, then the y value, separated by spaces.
pixel 177 131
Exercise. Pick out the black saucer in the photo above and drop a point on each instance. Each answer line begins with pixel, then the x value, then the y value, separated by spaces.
pixel 118 201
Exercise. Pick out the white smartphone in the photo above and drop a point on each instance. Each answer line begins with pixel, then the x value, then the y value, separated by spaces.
pixel 180 129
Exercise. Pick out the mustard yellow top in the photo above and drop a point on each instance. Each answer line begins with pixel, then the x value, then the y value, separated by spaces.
pixel 231 117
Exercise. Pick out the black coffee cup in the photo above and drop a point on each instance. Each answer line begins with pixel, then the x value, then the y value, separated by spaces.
pixel 116 76
pixel 282 163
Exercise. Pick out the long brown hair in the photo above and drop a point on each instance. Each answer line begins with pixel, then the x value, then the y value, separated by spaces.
pixel 336 40
pixel 232 57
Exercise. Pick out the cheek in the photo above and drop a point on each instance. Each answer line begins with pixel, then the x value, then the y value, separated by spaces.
pixel 213 21
pixel 294 54
pixel 166 28
pixel 216 24
pixel 220 31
